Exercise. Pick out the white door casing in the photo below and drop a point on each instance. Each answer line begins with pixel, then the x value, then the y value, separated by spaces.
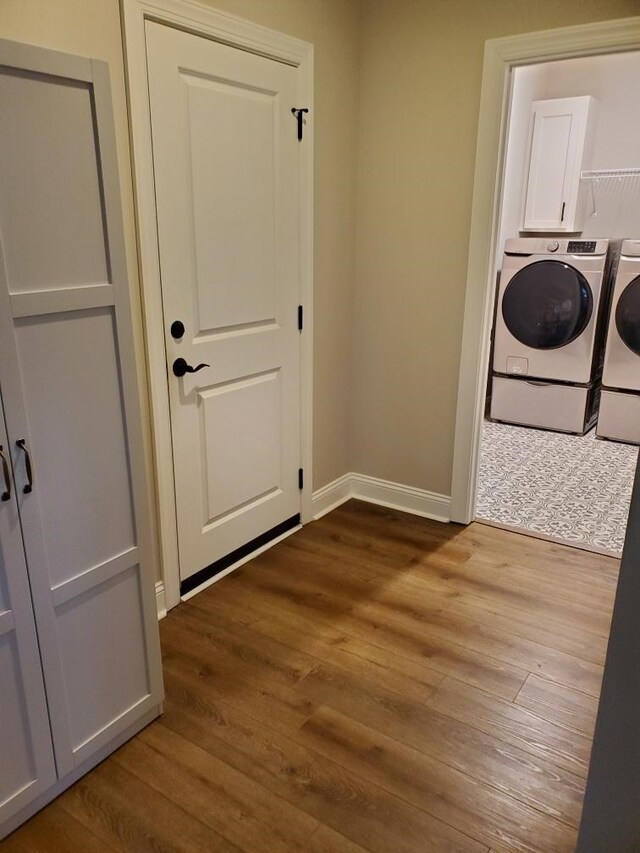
pixel 259 388
pixel 501 55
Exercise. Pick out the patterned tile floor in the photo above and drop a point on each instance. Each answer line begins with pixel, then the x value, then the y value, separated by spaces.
pixel 572 489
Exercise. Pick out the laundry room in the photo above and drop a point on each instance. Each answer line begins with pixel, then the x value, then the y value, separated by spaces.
pixel 561 430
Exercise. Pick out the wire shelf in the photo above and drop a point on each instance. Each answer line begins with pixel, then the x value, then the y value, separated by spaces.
pixel 596 174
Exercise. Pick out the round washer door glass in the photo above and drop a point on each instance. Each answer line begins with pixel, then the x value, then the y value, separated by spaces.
pixel 628 315
pixel 547 305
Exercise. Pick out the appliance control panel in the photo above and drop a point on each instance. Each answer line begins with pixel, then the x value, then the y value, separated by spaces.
pixel 581 247
pixel 553 246
pixel 631 248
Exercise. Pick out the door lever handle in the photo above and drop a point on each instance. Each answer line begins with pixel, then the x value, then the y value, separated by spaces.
pixel 7 476
pixel 180 367
pixel 22 444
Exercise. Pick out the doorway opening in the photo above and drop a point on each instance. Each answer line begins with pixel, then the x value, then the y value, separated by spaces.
pixel 559 415
pixel 225 238
pixel 558 452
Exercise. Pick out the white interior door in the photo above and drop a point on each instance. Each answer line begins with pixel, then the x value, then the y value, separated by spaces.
pixel 26 754
pixel 226 165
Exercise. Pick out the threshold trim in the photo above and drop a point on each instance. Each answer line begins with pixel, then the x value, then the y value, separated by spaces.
pixel 202 576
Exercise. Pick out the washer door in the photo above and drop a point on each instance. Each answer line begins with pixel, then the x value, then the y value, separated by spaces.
pixel 547 305
pixel 628 316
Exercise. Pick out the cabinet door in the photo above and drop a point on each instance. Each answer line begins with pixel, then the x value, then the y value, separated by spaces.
pixel 26 754
pixel 71 399
pixel 558 138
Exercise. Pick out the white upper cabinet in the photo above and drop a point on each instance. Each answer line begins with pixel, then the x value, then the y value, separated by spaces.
pixel 560 148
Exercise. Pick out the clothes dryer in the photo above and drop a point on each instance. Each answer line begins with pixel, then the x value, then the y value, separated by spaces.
pixel 549 328
pixel 619 416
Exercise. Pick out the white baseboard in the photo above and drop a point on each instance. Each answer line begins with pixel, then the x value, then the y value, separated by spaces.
pixel 405 498
pixel 331 496
pixel 381 492
pixel 161 601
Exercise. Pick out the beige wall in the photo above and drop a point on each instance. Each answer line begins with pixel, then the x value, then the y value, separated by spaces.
pixel 92 28
pixel 386 364
pixel 420 85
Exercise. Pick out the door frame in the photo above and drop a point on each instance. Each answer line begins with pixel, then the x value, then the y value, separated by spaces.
pixel 200 19
pixel 500 57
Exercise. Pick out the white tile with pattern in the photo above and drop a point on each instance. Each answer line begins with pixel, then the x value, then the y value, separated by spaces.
pixel 575 489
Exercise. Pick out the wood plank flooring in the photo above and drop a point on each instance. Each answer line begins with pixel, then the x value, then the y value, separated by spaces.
pixel 376 683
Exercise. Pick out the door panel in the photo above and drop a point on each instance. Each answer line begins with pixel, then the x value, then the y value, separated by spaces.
pixel 240 469
pixel 549 154
pixel 15 741
pixel 559 150
pixel 26 754
pixel 51 216
pixel 234 242
pixel 226 170
pixel 77 437
pixel 67 366
pixel 113 662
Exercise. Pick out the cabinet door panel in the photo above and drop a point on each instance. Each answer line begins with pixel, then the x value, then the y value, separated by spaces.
pixel 112 662
pixel 26 754
pixel 15 741
pixel 68 369
pixel 549 155
pixel 559 149
pixel 61 215
pixel 72 392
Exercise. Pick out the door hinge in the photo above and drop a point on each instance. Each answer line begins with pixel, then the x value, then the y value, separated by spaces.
pixel 301 478
pixel 299 112
pixel 300 317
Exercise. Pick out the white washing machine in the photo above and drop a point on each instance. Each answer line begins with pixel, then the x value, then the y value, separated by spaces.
pixel 619 416
pixel 548 333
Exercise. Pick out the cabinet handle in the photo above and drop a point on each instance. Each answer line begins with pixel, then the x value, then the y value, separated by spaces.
pixel 564 204
pixel 7 477
pixel 22 444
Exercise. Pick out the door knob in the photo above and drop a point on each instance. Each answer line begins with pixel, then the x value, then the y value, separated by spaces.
pixel 180 367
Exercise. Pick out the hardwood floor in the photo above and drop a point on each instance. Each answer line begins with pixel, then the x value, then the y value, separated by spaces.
pixel 376 682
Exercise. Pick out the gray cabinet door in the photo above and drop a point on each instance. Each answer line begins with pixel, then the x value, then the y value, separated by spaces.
pixel 26 756
pixel 67 370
